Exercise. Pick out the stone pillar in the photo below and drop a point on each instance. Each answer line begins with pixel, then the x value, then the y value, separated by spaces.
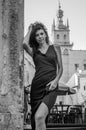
pixel 11 64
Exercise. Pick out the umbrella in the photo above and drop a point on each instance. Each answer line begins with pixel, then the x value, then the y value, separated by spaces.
pixel 64 89
pixel 63 92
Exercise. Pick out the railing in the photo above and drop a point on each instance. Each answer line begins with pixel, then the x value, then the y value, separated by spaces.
pixel 64 117
pixel 67 114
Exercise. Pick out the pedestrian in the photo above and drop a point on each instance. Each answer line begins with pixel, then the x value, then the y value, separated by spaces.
pixel 48 71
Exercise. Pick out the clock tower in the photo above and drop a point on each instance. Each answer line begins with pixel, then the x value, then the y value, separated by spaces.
pixel 61 36
pixel 61 32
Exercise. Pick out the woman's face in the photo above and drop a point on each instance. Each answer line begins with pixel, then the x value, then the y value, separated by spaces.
pixel 40 36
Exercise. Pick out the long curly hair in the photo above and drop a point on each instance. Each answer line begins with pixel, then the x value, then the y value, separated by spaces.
pixel 32 41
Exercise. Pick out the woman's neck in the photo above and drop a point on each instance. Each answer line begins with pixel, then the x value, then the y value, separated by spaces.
pixel 43 49
pixel 43 46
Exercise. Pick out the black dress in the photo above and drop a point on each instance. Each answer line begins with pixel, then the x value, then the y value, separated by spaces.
pixel 46 66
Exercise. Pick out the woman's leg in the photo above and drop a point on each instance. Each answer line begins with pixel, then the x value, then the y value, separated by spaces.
pixel 40 116
pixel 32 122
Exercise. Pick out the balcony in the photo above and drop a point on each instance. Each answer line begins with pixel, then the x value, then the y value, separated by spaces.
pixel 65 117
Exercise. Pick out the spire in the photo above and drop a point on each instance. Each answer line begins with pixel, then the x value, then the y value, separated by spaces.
pixel 60 19
pixel 53 25
pixel 59 5
pixel 67 23
pixel 60 14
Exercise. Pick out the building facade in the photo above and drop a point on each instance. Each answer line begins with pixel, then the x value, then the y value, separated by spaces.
pixel 73 60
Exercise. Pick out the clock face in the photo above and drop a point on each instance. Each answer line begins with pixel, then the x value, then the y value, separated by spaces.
pixel 65 52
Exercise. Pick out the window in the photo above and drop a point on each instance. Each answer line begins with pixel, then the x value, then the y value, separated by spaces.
pixel 76 67
pixel 64 36
pixel 84 66
pixel 84 87
pixel 57 36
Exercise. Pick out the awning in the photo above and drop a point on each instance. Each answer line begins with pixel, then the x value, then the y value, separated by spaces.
pixel 65 90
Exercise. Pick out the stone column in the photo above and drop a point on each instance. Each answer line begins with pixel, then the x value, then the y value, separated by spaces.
pixel 11 64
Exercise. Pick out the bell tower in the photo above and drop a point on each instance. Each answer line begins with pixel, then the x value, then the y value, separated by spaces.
pixel 61 32
pixel 61 36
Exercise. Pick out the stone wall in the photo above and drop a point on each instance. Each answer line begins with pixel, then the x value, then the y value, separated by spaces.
pixel 11 64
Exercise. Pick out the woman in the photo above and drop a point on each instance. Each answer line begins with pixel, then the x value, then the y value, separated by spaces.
pixel 48 65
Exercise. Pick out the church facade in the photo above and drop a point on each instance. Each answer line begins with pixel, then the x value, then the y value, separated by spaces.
pixel 73 60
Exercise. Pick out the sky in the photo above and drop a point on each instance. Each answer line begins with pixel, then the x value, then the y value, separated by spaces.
pixel 45 11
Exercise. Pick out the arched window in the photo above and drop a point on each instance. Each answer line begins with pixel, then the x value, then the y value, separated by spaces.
pixel 84 66
pixel 64 36
pixel 57 36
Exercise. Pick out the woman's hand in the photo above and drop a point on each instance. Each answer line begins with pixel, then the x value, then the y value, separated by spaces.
pixel 30 28
pixel 52 84
pixel 26 38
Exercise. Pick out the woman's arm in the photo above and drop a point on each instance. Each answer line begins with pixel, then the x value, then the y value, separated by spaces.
pixel 59 59
pixel 26 46
pixel 53 83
